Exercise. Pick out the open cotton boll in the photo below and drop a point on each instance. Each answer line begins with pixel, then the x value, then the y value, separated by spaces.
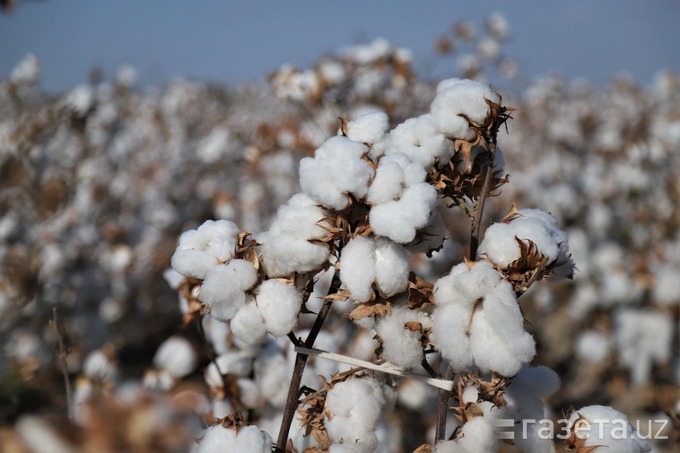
pixel 224 287
pixel 420 140
pixel 279 304
pixel 391 267
pixel 593 346
pixel 388 183
pixel 465 284
pixel 248 325
pixel 198 250
pixel 286 248
pixel 607 429
pixel 100 365
pixel 478 435
pixel 368 128
pixel 455 97
pixel 402 346
pixel 220 439
pixel 361 399
pixel 399 220
pixel 498 340
pixel 337 169
pixel 357 268
pixel 643 338
pixel 450 323
pixel 236 363
pixel 177 356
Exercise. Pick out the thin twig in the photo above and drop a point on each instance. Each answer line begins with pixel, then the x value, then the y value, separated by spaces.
pixel 293 398
pixel 63 354
pixel 443 407
pixel 478 213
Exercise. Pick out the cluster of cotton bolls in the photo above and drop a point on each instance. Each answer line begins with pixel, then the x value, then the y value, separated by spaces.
pixel 608 173
pixel 117 174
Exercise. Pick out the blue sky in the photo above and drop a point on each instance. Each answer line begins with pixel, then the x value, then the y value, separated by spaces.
pixel 232 42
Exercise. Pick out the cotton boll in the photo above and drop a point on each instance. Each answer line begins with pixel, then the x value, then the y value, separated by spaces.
pixel 177 356
pixel 466 283
pixel 387 185
pixel 336 170
pixel 192 263
pixel 593 346
pixel 667 288
pixel 450 323
pixel 399 220
pixel 477 435
pixel 421 141
pixel 368 128
pixel 158 379
pixel 101 365
pixel 391 267
pixel 224 288
pixel 286 248
pixel 643 338
pixel 198 250
pixel 219 439
pixel 355 406
pixel 497 337
pixel 607 428
pixel 357 268
pixel 402 346
pixel 236 363
pixel 455 97
pixel 248 325
pixel 279 304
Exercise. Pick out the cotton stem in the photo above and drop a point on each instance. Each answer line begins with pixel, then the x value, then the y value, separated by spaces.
pixel 293 398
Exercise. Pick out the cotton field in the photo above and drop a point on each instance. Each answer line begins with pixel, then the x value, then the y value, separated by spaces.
pixel 347 258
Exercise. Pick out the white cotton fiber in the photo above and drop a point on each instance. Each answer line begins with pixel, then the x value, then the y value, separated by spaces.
pixel 593 346
pixel 177 356
pixel 219 439
pixel 498 340
pixel 643 337
pixel 450 323
pixel 337 169
pixel 212 243
pixel 391 267
pixel 455 97
pixel 389 181
pixel 607 428
pixel 353 408
pixel 279 304
pixel 357 268
pixel 368 128
pixel 233 362
pixel 286 248
pixel 248 325
pixel 402 346
pixel 224 288
pixel 500 241
pixel 399 220
pixel 464 285
pixel 420 140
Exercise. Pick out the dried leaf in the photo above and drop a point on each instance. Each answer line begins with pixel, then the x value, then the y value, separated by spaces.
pixel 379 308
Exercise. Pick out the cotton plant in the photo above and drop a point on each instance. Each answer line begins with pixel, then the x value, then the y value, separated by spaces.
pixel 369 203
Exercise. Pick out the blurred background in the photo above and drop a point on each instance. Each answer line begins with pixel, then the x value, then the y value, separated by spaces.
pixel 123 125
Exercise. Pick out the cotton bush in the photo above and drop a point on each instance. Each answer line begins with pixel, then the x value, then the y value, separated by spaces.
pixel 373 225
